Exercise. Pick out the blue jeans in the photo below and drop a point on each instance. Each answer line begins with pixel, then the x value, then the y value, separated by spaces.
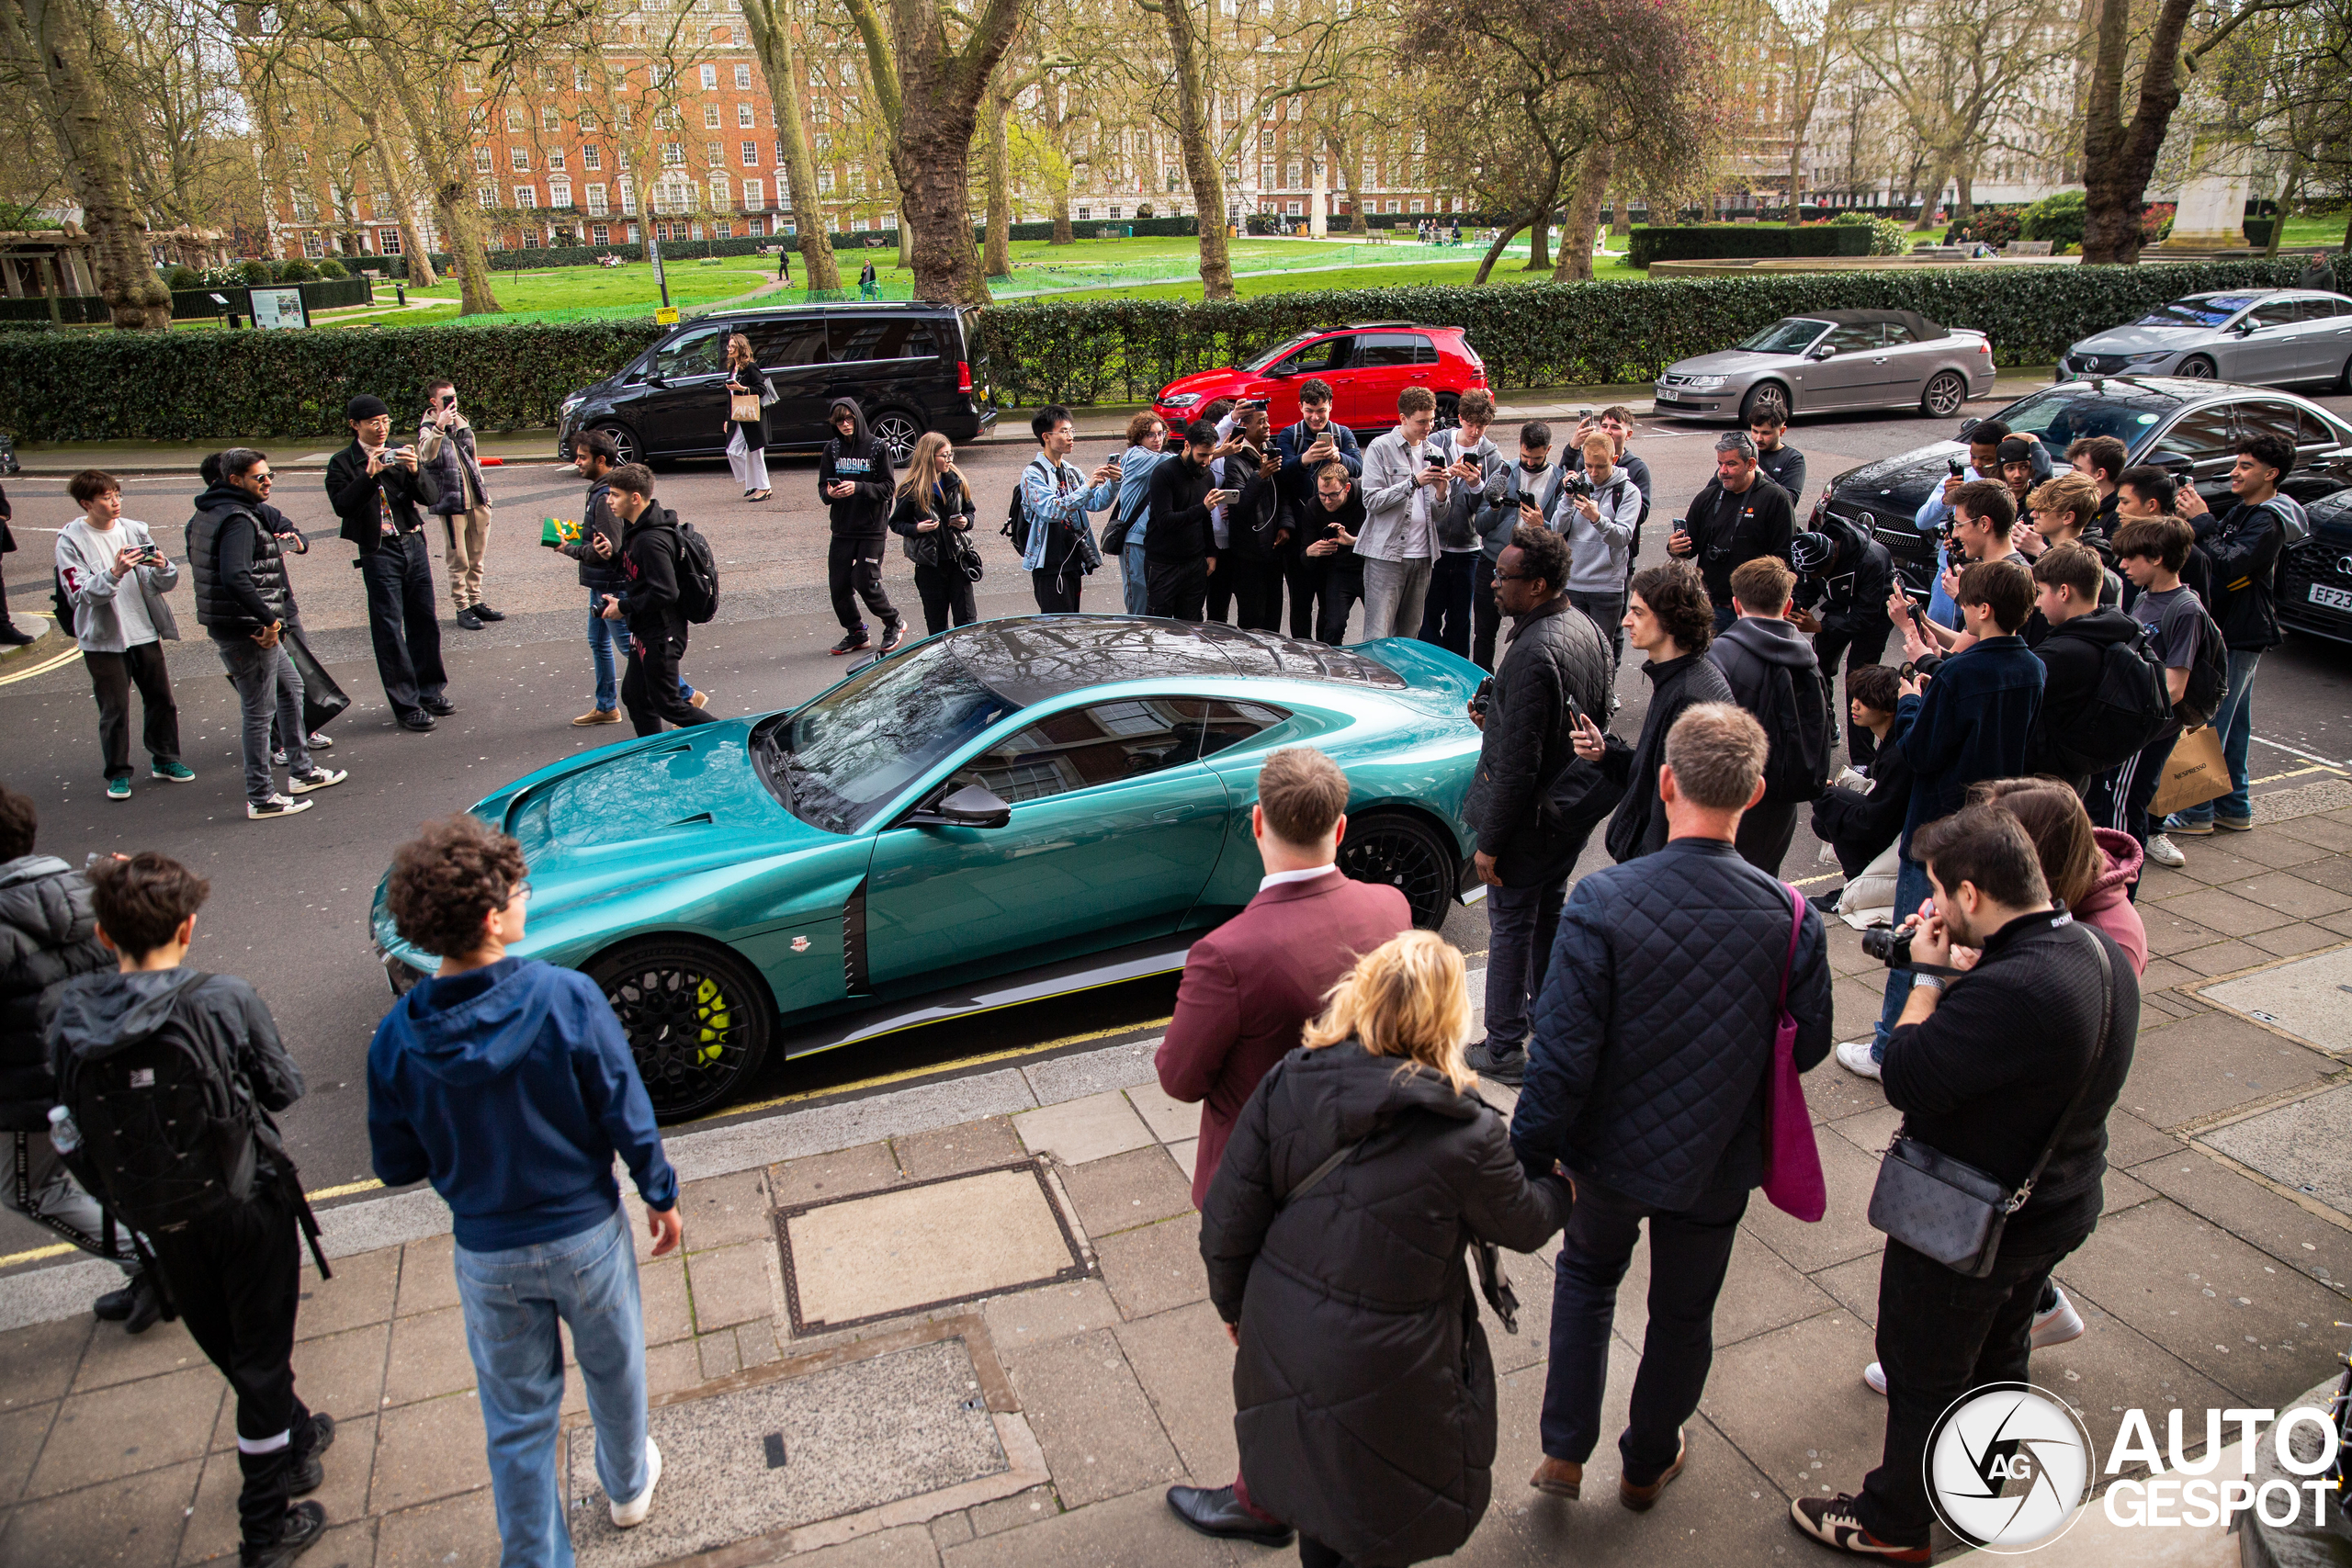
pixel 609 645
pixel 1133 591
pixel 2234 721
pixel 1911 885
pixel 511 1301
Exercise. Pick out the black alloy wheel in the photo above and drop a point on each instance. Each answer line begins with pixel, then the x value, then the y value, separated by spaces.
pixel 1765 397
pixel 697 1017
pixel 1406 854
pixel 623 439
pixel 1945 391
pixel 898 431
pixel 1449 411
pixel 2196 367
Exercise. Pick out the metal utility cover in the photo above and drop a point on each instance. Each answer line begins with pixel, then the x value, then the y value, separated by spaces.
pixel 2309 999
pixel 853 1437
pixel 2298 1146
pixel 883 1255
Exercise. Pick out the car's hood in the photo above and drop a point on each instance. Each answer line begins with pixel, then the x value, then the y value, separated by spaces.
pixel 1731 362
pixel 1206 385
pixel 2142 339
pixel 1901 482
pixel 2331 520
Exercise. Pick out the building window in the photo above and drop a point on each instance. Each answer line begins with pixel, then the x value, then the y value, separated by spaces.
pixel 754 195
pixel 1085 214
pixel 580 78
pixel 478 120
pixel 482 160
pixel 555 159
pixel 314 246
pixel 526 196
pixel 597 206
pixel 723 229
pixel 750 154
pixel 857 225
pixel 588 125
pixel 709 77
pixel 1294 208
pixel 673 155
pixel 824 142
pixel 711 117
pixel 550 118
pixel 1415 205
pixel 530 239
pixel 824 182
pixel 743 78
pixel 559 193
pixel 380 205
pixel 1392 204
pixel 306 206
pixel 515 123
pixel 755 228
pixel 718 190
pixel 779 154
pixel 629 198
pixel 1115 210
pixel 1266 174
pixel 743 116
pixel 519 157
pixel 592 157
pixel 600 234
pixel 471 76
pixel 487 196
pixel 628 233
pixel 388 241
pixel 713 154
pixel 1293 180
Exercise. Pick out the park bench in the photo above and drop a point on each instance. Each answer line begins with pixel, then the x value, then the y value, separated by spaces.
pixel 2027 248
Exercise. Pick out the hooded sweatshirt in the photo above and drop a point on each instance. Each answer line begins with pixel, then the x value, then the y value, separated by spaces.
pixel 2107 907
pixel 863 462
pixel 1748 654
pixel 511 1087
pixel 47 936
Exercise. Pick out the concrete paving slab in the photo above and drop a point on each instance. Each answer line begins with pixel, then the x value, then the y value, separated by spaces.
pixel 428 1452
pixel 2114 1368
pixel 342 1374
pixel 788 1452
pixel 2226 914
pixel 1185 1364
pixel 2228 957
pixel 954 1151
pixel 2120 1192
pixel 1844 1232
pixel 910 1546
pixel 2300 1145
pixel 1794 1403
pixel 1154 1267
pixel 460 1532
pixel 1185 1154
pixel 2210 863
pixel 429 1356
pixel 2311 999
pixel 212 1528
pixel 2288 1231
pixel 2204 1066
pixel 661 1291
pixel 875 1256
pixel 128 1428
pixel 729 1285
pixel 1027 1507
pixel 1831 1093
pixel 2290 894
pixel 2323 833
pixel 117 1358
pixel 38 1361
pixel 1100 1433
pixel 2293 942
pixel 135 1522
pixel 2171 932
pixel 428 1275
pixel 718 1209
pixel 868 1168
pixel 22 1432
pixel 1088 1128
pixel 1126 1190
pixel 2131 1140
pixel 825 1128
pixel 2268 847
pixel 1854 1286
pixel 361 1292
pixel 1050 1312
pixel 1133 1532
pixel 1093 1072
pixel 1171 1120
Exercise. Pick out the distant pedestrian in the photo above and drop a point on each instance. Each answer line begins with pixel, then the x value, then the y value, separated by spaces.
pixel 376 489
pixel 507 1083
pixel 1782 463
pixel 784 264
pixel 1055 499
pixel 853 481
pixel 445 440
pixel 747 439
pixel 867 287
pixel 650 601
pixel 933 517
pixel 1361 1170
pixel 114 578
pixel 11 634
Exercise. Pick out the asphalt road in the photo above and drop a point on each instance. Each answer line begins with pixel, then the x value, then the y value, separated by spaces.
pixel 289 899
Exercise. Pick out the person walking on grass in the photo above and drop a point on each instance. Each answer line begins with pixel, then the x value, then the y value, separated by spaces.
pixel 115 578
pixel 507 1084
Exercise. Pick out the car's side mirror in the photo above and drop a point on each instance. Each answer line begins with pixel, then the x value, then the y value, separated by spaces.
pixel 1968 424
pixel 1824 351
pixel 2247 327
pixel 970 807
pixel 2179 465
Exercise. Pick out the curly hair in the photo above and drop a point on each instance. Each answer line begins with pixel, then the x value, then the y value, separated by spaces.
pixel 448 879
pixel 1677 595
pixel 141 899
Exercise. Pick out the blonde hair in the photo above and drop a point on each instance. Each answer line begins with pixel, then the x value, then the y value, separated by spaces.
pixel 1405 998
pixel 1599 438
pixel 922 465
pixel 739 350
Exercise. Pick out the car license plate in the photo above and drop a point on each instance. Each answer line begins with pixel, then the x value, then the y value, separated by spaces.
pixel 2334 598
pixel 1667 398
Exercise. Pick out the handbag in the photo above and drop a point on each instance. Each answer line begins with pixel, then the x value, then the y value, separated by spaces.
pixel 744 408
pixel 1947 1209
pixel 1792 1159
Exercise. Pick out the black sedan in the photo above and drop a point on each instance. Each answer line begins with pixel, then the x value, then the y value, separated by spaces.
pixel 2315 583
pixel 2188 426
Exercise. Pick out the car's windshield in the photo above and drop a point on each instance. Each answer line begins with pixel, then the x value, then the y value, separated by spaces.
pixel 848 754
pixel 2206 310
pixel 1793 334
pixel 1276 352
pixel 2063 415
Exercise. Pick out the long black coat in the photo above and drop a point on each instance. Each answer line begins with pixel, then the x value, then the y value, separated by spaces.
pixel 1363 1394
pixel 1555 656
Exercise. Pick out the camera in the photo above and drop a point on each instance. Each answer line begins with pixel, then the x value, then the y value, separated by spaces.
pixel 1891 945
pixel 1578 484
pixel 1432 459
pixel 1483 699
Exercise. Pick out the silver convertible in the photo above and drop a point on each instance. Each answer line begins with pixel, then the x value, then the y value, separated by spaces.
pixel 2271 337
pixel 1832 359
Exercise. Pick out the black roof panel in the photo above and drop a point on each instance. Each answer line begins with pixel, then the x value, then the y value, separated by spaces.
pixel 1029 659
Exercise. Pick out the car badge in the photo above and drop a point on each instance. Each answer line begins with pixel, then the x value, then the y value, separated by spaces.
pixel 800 944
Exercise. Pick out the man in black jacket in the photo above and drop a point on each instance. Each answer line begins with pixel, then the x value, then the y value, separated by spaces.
pixel 1782 463
pixel 377 491
pixel 48 935
pixel 1859 825
pixel 244 602
pixel 1555 668
pixel 853 478
pixel 2066 580
pixel 1769 667
pixel 649 602
pixel 2242 544
pixel 1668 618
pixel 593 457
pixel 1647 1081
pixel 1843 578
pixel 1315 440
pixel 1328 526
pixel 1985 1068
pixel 1180 549
pixel 1736 517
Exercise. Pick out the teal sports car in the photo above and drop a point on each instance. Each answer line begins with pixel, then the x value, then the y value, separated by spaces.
pixel 1012 810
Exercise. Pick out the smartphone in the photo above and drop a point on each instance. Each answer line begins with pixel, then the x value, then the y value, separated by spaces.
pixel 1432 460
pixel 1952 465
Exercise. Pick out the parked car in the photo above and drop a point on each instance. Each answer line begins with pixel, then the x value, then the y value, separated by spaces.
pixel 1366 365
pixel 1004 812
pixel 2315 580
pixel 2269 337
pixel 913 367
pixel 1832 359
pixel 2188 426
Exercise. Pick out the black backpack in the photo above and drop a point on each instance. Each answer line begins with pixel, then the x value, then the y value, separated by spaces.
pixel 165 1138
pixel 1795 717
pixel 2130 707
pixel 2209 678
pixel 1016 522
pixel 60 601
pixel 698 576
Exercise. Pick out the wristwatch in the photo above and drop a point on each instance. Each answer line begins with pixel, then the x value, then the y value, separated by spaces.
pixel 1933 982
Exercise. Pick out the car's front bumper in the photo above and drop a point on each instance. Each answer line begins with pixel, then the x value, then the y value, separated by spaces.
pixel 2315 592
pixel 1683 402
pixel 399 973
pixel 2076 365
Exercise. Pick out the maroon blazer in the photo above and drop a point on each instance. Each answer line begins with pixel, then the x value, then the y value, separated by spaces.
pixel 1251 984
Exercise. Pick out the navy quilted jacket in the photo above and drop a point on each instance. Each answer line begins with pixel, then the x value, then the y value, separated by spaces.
pixel 1655 1025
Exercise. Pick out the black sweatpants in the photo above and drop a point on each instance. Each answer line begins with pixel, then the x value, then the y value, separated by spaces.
pixel 398 575
pixel 1256 592
pixel 650 687
pixel 1445 614
pixel 854 572
pixel 1485 614
pixel 946 595
pixel 1342 592
pixel 1176 588
pixel 1219 600
pixel 1304 578
pixel 237 1280
pixel 111 677
pixel 1056 588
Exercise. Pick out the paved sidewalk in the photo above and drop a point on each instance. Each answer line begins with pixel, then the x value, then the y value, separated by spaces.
pixel 965 1323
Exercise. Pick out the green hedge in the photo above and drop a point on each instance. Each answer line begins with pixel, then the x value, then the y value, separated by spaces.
pixel 1711 241
pixel 1543 334
pixel 188 304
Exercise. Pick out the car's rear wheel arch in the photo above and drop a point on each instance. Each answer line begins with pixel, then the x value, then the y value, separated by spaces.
pixel 1381 837
pixel 664 985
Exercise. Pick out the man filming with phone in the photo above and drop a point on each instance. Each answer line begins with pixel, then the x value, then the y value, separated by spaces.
pixel 376 489
pixel 445 440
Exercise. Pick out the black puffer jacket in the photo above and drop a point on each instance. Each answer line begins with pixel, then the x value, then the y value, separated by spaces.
pixel 47 936
pixel 1364 1395
pixel 1638 826
pixel 1646 1070
pixel 1555 655
pixel 231 601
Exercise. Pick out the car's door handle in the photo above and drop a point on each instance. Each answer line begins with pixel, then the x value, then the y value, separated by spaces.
pixel 1173 813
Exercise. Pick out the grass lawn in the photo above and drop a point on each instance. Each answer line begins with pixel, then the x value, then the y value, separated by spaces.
pixel 2327 230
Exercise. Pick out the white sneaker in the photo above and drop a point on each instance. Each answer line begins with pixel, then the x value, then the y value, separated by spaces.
pixel 2057 1326
pixel 276 806
pixel 631 1514
pixel 1854 1055
pixel 2162 850
pixel 1874 1376
pixel 317 778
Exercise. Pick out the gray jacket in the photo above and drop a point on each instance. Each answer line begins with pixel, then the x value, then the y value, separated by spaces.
pixel 85 560
pixel 1458 529
pixel 1598 548
pixel 1389 467
pixel 451 454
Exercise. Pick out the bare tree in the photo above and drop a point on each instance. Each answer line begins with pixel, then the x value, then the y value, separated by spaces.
pixel 1955 68
pixel 1188 50
pixel 770 23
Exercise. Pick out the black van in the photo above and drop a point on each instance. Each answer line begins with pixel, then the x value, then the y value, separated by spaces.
pixel 912 367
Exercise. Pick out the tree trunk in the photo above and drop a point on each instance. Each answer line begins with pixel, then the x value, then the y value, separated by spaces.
pixel 1503 237
pixel 1965 208
pixel 1933 192
pixel 453 186
pixel 1201 170
pixel 771 29
pixel 2118 158
pixel 997 161
pixel 1583 216
pixel 69 44
pixel 468 252
pixel 1058 200
pixel 931 155
pixel 1539 240
pixel 1620 213
pixel 419 258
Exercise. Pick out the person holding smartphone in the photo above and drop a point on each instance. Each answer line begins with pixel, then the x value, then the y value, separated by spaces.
pixel 116 578
pixel 1178 547
pixel 376 489
pixel 1306 447
pixel 445 440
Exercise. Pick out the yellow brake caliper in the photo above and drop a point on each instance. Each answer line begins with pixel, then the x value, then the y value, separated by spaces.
pixel 715 1017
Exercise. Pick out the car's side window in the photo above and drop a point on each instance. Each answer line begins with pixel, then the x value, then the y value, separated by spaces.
pixel 1424 351
pixel 1851 339
pixel 1316 359
pixel 779 344
pixel 695 353
pixel 1378 350
pixel 1111 743
pixel 1898 336
pixel 2277 313
pixel 882 337
pixel 2299 426
pixel 2200 436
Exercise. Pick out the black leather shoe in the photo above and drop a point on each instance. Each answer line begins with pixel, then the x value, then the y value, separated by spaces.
pixel 1501 1067
pixel 115 1305
pixel 469 621
pixel 13 635
pixel 419 721
pixel 305 1522
pixel 146 1307
pixel 439 707
pixel 485 613
pixel 305 1476
pixel 1214 1510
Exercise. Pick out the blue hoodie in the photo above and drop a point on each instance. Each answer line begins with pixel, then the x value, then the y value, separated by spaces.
pixel 511 1087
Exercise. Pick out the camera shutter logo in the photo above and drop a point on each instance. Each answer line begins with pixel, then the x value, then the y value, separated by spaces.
pixel 2008 1467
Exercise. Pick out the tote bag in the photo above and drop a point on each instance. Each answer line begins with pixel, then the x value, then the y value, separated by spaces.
pixel 1792 1159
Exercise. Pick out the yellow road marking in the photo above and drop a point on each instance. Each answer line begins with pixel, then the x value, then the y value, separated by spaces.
pixel 44 667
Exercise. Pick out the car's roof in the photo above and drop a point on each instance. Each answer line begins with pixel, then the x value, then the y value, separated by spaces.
pixel 1032 658
pixel 1911 321
pixel 846 307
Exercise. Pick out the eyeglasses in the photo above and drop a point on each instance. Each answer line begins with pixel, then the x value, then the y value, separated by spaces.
pixel 1514 577
pixel 522 891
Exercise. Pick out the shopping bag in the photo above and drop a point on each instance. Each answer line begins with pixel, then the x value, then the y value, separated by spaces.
pixel 323 700
pixel 2194 773
pixel 1793 1177
pixel 555 531
pixel 744 408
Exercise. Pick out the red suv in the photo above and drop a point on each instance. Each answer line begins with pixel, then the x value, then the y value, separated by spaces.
pixel 1367 365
